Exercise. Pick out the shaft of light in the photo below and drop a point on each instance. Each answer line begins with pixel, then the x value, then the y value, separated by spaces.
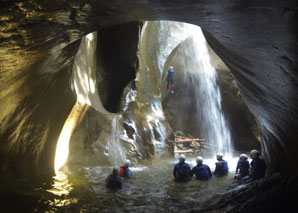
pixel 62 149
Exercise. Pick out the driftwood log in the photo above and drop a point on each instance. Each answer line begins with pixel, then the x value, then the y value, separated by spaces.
pixel 188 144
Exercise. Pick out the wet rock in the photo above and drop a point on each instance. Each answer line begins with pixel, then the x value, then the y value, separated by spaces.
pixel 276 193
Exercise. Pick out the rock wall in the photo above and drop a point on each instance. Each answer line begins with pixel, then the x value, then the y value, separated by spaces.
pixel 117 123
pixel 117 62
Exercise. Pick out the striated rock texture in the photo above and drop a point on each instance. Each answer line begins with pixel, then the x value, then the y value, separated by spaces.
pixel 277 193
pixel 257 40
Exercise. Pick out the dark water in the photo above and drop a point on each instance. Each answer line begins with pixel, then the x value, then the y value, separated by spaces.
pixel 152 189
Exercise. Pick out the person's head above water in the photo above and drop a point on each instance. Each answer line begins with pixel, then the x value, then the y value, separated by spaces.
pixel 219 156
pixel 243 157
pixel 199 160
pixel 182 158
pixel 115 171
pixel 254 154
pixel 127 163
pixel 170 67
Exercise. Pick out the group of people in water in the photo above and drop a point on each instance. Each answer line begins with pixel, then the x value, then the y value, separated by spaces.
pixel 245 171
pixel 114 180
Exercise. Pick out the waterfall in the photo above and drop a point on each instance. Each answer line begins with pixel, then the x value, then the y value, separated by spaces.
pixel 183 46
pixel 115 149
pixel 202 77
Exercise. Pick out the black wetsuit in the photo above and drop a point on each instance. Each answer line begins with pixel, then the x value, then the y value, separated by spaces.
pixel 243 167
pixel 221 168
pixel 114 182
pixel 258 168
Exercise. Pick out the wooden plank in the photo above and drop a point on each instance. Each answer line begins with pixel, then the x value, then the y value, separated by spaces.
pixel 188 140
pixel 184 151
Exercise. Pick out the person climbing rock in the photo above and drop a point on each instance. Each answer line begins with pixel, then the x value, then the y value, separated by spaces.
pixel 182 170
pixel 221 166
pixel 124 171
pixel 113 181
pixel 257 165
pixel 170 79
pixel 202 171
pixel 242 169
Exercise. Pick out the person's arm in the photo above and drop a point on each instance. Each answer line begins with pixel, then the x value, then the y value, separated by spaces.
pixel 226 166
pixel 215 170
pixel 128 173
pixel 209 170
pixel 237 168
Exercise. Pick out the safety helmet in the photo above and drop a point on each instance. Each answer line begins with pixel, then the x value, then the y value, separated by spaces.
pixel 199 159
pixel 219 155
pixel 127 163
pixel 170 67
pixel 254 152
pixel 243 156
pixel 182 158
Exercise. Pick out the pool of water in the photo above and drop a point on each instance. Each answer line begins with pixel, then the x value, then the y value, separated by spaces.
pixel 151 189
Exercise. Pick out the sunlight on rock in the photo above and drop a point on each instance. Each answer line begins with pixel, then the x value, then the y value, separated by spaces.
pixel 62 149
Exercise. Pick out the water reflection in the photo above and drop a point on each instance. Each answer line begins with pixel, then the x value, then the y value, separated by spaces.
pixel 151 188
pixel 61 185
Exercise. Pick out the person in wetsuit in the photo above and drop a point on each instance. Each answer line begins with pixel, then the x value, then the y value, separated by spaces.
pixel 181 170
pixel 113 181
pixel 257 165
pixel 221 166
pixel 242 168
pixel 170 79
pixel 202 171
pixel 124 171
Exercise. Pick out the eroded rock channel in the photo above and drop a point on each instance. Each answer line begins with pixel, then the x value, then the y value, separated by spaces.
pixel 89 78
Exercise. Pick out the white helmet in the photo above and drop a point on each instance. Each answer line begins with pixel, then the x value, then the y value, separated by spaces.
pixel 219 155
pixel 182 158
pixel 244 156
pixel 255 152
pixel 199 159
pixel 127 163
pixel 170 67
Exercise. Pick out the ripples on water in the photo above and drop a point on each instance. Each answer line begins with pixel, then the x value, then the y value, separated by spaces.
pixel 151 189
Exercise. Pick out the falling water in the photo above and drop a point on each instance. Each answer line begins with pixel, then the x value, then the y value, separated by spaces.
pixel 202 78
pixel 115 149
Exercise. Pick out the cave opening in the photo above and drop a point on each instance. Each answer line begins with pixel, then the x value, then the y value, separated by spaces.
pixel 39 41
pixel 140 126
